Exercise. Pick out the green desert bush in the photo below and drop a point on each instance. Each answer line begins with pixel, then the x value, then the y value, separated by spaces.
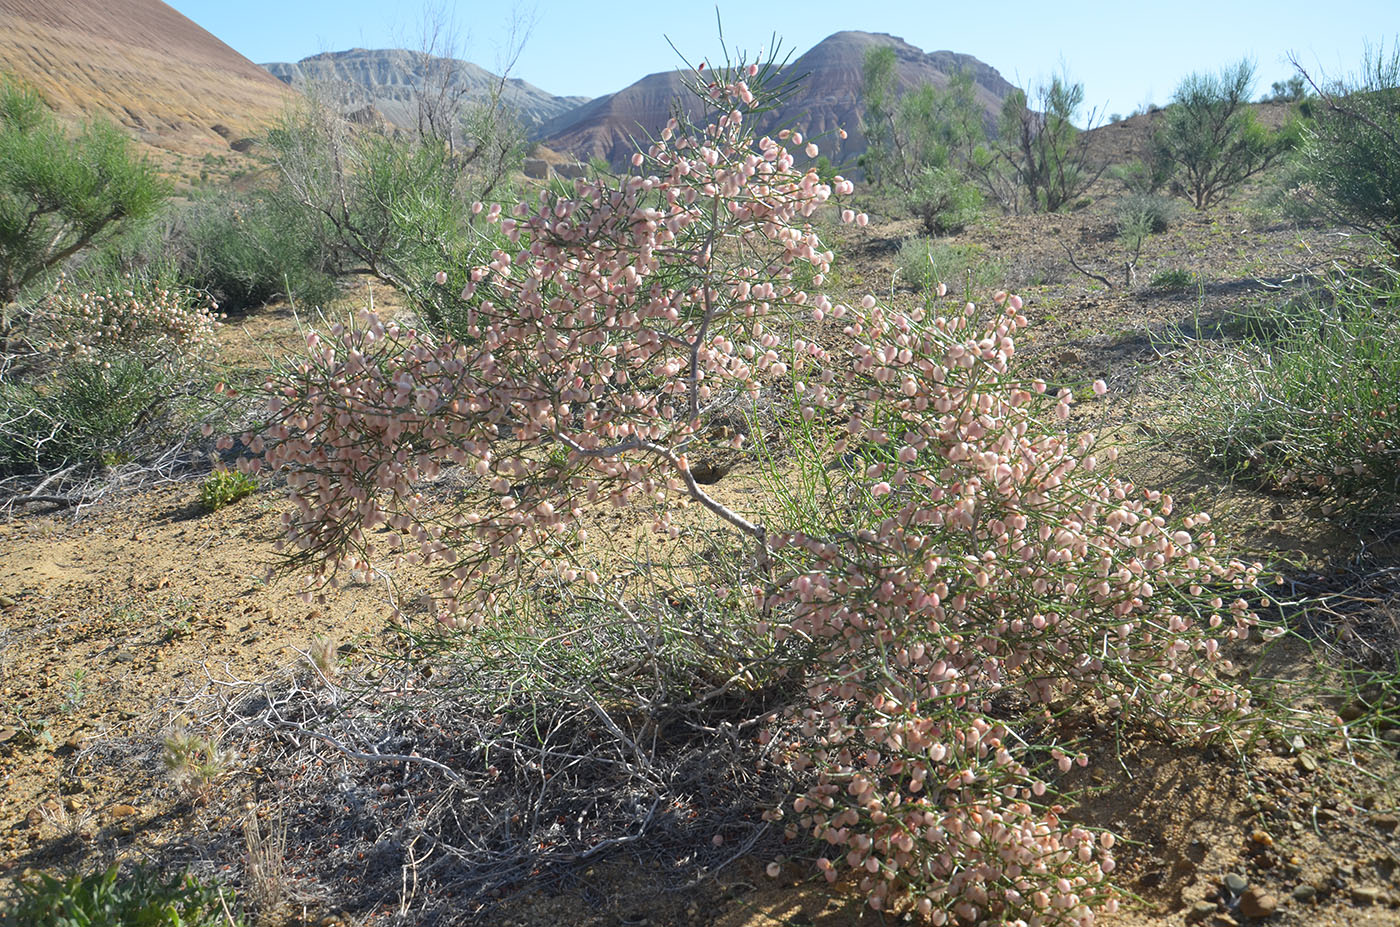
pixel 407 209
pixel 1173 279
pixel 141 898
pixel 224 487
pixel 61 194
pixel 1349 163
pixel 1145 210
pixel 1211 138
pixel 94 375
pixel 249 249
pixel 943 201
pixel 925 263
pixel 1309 397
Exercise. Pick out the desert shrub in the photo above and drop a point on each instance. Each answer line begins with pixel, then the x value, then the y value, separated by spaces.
pixel 249 249
pixel 946 560
pixel 1309 397
pixel 1211 138
pixel 141 898
pixel 1172 279
pixel 93 375
pixel 1039 144
pixel 396 207
pixel 1154 213
pixel 224 487
pixel 1141 177
pixel 1350 158
pixel 59 194
pixel 944 202
pixel 962 268
pixel 921 144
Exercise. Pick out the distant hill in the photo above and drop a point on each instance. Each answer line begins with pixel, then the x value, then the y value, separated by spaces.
pixel 386 79
pixel 827 98
pixel 141 63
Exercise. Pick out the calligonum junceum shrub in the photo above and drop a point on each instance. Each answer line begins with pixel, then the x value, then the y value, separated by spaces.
pixel 981 563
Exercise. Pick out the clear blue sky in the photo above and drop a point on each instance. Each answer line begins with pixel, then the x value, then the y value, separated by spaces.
pixel 1126 53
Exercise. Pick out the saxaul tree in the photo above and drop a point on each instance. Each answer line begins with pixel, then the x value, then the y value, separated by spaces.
pixel 971 562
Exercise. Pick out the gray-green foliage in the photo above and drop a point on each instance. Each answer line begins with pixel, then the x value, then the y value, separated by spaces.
pixel 67 400
pixel 61 193
pixel 244 249
pixel 1350 154
pixel 943 201
pixel 963 268
pixel 1142 176
pixel 1138 217
pixel 1210 136
pixel 247 249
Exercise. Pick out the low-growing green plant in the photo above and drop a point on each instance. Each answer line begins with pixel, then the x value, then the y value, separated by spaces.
pixel 1156 213
pixel 1309 397
pixel 1173 279
pixel 943 201
pixel 142 897
pixel 925 264
pixel 224 487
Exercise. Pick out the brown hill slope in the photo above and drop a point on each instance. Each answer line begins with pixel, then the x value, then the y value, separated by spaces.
pixel 826 98
pixel 141 63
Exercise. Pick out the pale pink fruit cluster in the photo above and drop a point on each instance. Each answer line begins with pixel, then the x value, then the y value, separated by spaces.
pixel 988 557
pixel 158 321
pixel 620 314
pixel 982 564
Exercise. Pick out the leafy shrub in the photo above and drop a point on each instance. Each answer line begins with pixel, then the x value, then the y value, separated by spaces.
pixel 1310 397
pixel 1172 279
pixel 962 268
pixel 61 195
pixel 225 487
pixel 952 559
pixel 944 202
pixel 142 898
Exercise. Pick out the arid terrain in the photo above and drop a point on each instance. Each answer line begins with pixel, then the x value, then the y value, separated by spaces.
pixel 168 698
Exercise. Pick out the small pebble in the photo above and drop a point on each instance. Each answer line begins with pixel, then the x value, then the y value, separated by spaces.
pixel 1304 893
pixel 1365 895
pixel 1201 910
pixel 1236 883
pixel 1258 903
